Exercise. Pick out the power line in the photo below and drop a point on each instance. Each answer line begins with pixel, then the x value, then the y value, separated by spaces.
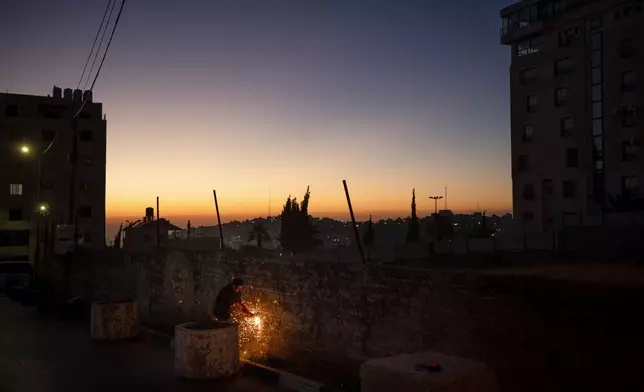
pixel 89 56
pixel 107 48
pixel 100 44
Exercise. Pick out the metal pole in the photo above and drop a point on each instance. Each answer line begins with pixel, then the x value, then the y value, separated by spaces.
pixel 221 233
pixel 158 229
pixel 353 221
pixel 73 158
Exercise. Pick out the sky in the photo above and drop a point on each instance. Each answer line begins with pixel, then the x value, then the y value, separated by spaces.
pixel 263 97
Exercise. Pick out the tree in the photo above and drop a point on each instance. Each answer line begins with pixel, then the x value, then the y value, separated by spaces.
pixel 259 233
pixel 369 236
pixel 413 228
pixel 298 232
pixel 623 202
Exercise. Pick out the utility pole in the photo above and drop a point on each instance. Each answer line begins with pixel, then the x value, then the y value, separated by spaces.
pixel 221 233
pixel 353 221
pixel 436 199
pixel 445 201
pixel 158 231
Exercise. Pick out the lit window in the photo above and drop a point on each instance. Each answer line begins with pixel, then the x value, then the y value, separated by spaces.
pixel 528 133
pixel 532 102
pixel 563 67
pixel 15 189
pixel 629 80
pixel 567 125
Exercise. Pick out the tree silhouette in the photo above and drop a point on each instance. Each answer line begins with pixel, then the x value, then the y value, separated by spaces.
pixel 413 228
pixel 623 202
pixel 298 232
pixel 258 233
pixel 369 236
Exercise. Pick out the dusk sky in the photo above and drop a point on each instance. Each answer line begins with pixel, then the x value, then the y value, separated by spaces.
pixel 247 96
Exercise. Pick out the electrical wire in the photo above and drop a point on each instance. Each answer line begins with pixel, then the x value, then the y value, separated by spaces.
pixel 107 48
pixel 100 44
pixel 100 27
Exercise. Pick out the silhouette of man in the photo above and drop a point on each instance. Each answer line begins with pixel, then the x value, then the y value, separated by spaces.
pixel 230 298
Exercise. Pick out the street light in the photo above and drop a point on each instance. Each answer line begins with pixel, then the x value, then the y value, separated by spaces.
pixel 25 149
pixel 436 199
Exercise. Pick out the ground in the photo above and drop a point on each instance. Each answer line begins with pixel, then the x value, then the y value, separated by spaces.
pixel 45 354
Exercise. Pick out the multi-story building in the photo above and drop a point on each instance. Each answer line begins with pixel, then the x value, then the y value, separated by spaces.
pixel 36 187
pixel 577 105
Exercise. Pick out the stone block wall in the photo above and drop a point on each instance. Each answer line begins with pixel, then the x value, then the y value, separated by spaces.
pixel 535 334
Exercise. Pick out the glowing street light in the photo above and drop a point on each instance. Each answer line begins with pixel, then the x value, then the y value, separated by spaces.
pixel 25 149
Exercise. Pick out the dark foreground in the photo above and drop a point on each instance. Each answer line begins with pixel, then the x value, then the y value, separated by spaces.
pixel 45 354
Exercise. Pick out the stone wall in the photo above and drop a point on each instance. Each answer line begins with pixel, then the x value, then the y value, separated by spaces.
pixel 536 334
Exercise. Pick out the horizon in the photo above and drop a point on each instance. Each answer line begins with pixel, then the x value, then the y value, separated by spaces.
pixel 284 95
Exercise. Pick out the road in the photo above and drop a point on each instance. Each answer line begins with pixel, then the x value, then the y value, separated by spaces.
pixel 42 354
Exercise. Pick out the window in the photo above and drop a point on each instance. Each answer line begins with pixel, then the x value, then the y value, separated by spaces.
pixel 529 47
pixel 596 76
pixel 598 146
pixel 560 96
pixel 15 189
pixel 627 48
pixel 598 127
pixel 85 212
pixel 47 135
pixel 529 76
pixel 596 93
pixel 572 157
pixel 567 125
pixel 595 22
pixel 597 111
pixel 15 214
pixel 629 151
pixel 86 186
pixel 596 41
pixel 528 216
pixel 528 192
pixel 563 67
pixel 528 133
pixel 628 117
pixel 630 185
pixel 569 189
pixel 11 111
pixel 532 102
pixel 522 163
pixel 629 80
pixel 596 58
pixel 86 135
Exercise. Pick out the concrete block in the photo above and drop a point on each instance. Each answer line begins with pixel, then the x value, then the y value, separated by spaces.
pixel 205 351
pixel 111 320
pixel 407 373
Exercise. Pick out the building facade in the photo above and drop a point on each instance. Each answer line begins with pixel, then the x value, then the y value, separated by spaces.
pixel 577 107
pixel 36 187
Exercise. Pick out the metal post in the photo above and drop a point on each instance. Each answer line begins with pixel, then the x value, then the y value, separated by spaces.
pixel 221 233
pixel 353 221
pixel 73 159
pixel 158 231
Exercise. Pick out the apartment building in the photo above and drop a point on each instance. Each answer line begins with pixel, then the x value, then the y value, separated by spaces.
pixel 577 107
pixel 36 186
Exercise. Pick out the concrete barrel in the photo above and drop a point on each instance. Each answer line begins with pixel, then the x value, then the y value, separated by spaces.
pixel 209 350
pixel 413 372
pixel 112 320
